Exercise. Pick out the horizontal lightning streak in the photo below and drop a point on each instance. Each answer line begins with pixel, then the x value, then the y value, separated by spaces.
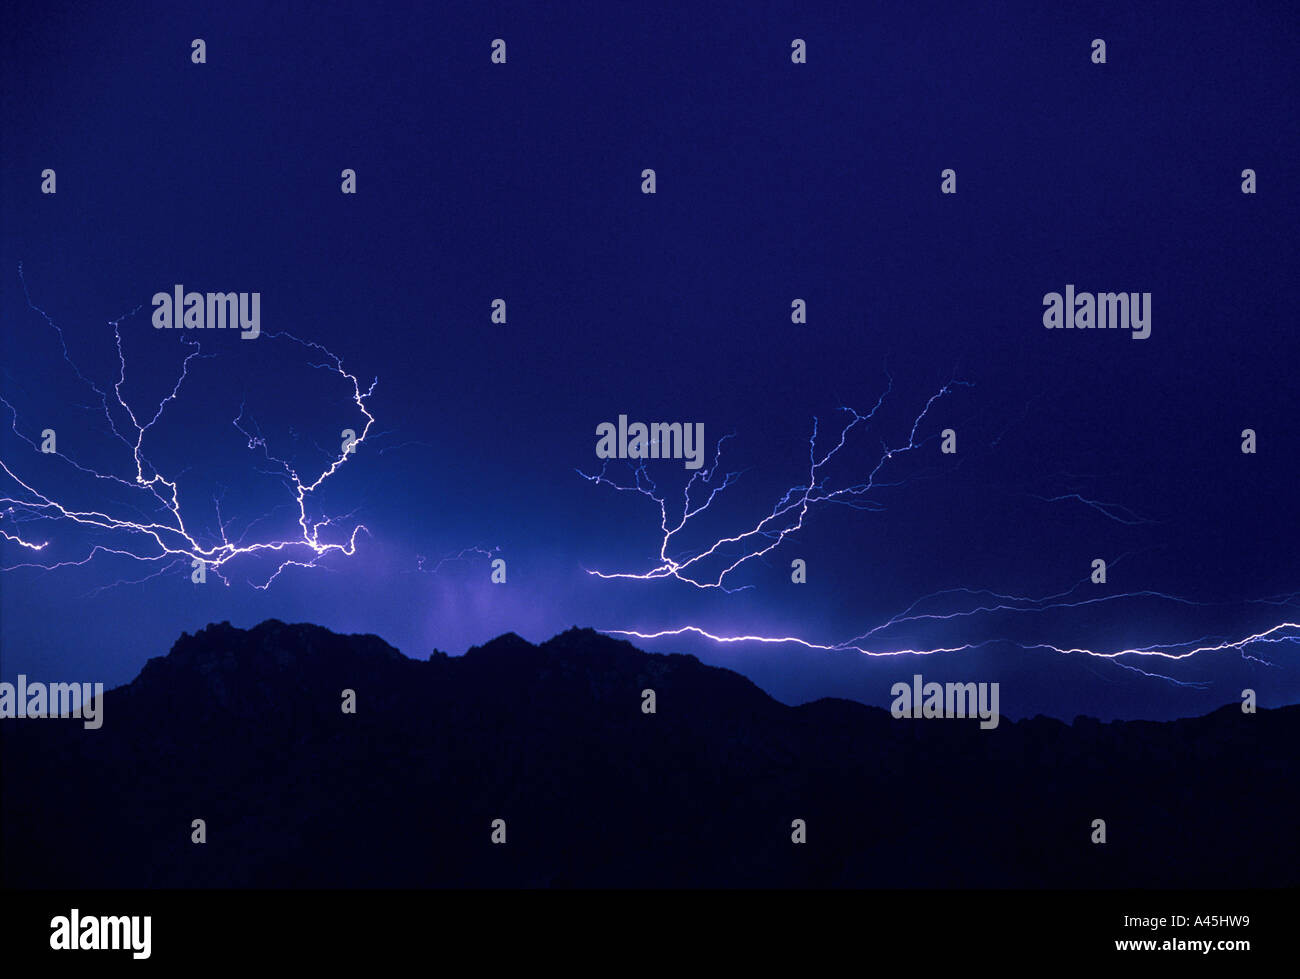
pixel 787 517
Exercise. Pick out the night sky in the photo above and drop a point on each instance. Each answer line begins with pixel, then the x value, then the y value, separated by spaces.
pixel 775 181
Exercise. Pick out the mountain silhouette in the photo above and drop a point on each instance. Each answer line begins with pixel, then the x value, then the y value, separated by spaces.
pixel 245 730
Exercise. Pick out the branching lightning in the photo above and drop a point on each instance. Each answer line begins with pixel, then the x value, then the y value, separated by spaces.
pixel 787 517
pixel 153 530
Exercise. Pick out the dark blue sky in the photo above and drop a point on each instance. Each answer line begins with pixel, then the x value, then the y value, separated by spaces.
pixel 775 181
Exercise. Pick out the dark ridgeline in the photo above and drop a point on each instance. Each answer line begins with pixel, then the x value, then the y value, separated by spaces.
pixel 244 729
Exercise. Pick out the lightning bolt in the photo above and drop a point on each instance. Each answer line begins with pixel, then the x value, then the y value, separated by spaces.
pixel 160 534
pixel 786 517
pixel 1111 511
pixel 1281 632
pixel 458 556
